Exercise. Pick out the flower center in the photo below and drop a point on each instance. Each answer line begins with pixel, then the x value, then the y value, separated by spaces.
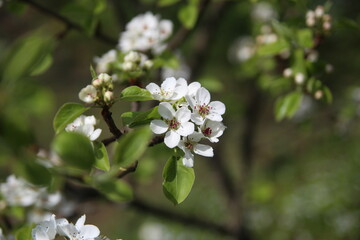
pixel 207 132
pixel 173 124
pixel 189 145
pixel 203 109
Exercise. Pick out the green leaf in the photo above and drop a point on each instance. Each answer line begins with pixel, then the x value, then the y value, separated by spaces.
pixel 101 156
pixel 67 114
pixel 36 173
pixel 74 149
pixel 24 233
pixel 178 180
pixel 93 72
pixel 42 66
pixel 26 56
pixel 167 59
pixel 131 146
pixel 288 105
pixel 274 48
pixel 305 38
pixel 115 189
pixel 135 93
pixel 299 65
pixel 163 3
pixel 327 95
pixel 135 119
pixel 188 15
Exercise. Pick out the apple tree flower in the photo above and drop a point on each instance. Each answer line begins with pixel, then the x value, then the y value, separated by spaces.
pixel 88 94
pixel 174 123
pixel 46 230
pixel 170 90
pixel 204 109
pixel 103 62
pixel 79 231
pixel 190 145
pixel 86 126
pixel 212 130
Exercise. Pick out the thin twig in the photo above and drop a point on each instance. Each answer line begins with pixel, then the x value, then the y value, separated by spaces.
pixel 69 23
pixel 128 170
pixel 106 114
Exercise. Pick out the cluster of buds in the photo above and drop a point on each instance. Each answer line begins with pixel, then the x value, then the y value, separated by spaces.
pixel 135 61
pixel 99 92
pixel 187 117
pixel 298 78
pixel 267 36
pixel 319 19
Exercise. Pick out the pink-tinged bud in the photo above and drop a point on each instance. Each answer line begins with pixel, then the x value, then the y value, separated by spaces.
pixel 318 94
pixel 97 82
pixel 319 11
pixel 108 96
pixel 310 22
pixel 327 26
pixel 329 68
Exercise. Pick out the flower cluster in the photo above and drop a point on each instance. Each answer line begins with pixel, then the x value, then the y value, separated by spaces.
pixel 99 92
pixel 187 117
pixel 104 62
pixel 318 19
pixel 135 61
pixel 86 126
pixel 18 192
pixel 47 230
pixel 145 32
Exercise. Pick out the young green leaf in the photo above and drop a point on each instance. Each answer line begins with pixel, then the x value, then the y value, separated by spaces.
pixel 93 72
pixel 135 93
pixel 36 173
pixel 274 48
pixel 188 15
pixel 288 105
pixel 115 189
pixel 74 149
pixel 135 119
pixel 178 180
pixel 24 233
pixel 67 114
pixel 131 146
pixel 305 38
pixel 101 156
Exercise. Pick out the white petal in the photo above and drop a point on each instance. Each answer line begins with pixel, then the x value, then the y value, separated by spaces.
pixel 95 134
pixel 158 126
pixel 191 101
pixel 153 88
pixel 181 82
pixel 40 234
pixel 195 137
pixel 202 96
pixel 203 150
pixel 214 117
pixel 80 222
pixel 89 231
pixel 166 110
pixel 213 139
pixel 193 87
pixel 61 223
pixel 69 230
pixel 197 118
pixel 179 92
pixel 183 115
pixel 188 160
pixel 169 84
pixel 185 129
pixel 217 107
pixel 172 139
pixel 90 120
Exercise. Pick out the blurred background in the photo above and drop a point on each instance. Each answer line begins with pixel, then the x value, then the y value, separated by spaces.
pixel 292 179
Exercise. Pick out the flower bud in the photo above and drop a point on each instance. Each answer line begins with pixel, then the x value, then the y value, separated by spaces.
pixel 327 26
pixel 128 66
pixel 319 11
pixel 318 94
pixel 97 82
pixel 329 68
pixel 287 72
pixel 313 56
pixel 148 64
pixel 108 96
pixel 299 78
pixel 310 22
pixel 104 77
pixel 326 18
pixel 133 57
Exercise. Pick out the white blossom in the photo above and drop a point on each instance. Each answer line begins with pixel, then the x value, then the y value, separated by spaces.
pixel 46 230
pixel 212 130
pixel 103 62
pixel 243 49
pixel 190 145
pixel 88 94
pixel 170 90
pixel 85 125
pixel 299 78
pixel 174 123
pixel 204 109
pixel 18 192
pixel 145 32
pixel 79 231
pixel 263 11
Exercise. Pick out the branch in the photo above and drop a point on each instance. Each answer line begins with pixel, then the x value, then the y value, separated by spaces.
pixel 106 114
pixel 183 219
pixel 69 23
pixel 128 170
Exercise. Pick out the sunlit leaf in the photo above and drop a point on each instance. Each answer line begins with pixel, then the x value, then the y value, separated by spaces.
pixel 135 93
pixel 101 156
pixel 288 105
pixel 67 114
pixel 188 15
pixel 135 119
